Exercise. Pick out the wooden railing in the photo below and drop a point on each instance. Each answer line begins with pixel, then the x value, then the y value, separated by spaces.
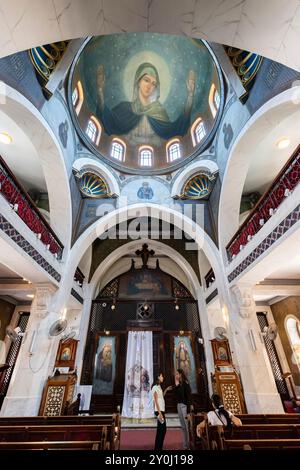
pixel 266 206
pixel 79 277
pixel 23 205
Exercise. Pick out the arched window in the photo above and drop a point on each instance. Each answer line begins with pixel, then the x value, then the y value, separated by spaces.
pixel 77 97
pixel 146 156
pixel 214 100
pixel 93 130
pixel 292 326
pixel 118 148
pixel 198 131
pixel 173 150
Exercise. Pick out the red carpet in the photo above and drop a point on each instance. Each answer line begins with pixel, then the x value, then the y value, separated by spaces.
pixel 143 439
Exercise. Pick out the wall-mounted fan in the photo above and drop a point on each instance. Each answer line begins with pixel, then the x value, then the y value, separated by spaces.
pixel 220 333
pixel 57 327
pixel 14 333
pixel 270 332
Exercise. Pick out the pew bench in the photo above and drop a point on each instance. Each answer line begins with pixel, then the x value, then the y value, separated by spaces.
pixel 62 428
pixel 51 445
pixel 262 444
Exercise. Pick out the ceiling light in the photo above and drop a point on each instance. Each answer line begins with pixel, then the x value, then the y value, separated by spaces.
pixel 283 143
pixel 31 296
pixel 5 138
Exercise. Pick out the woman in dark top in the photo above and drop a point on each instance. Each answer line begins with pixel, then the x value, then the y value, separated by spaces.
pixel 183 398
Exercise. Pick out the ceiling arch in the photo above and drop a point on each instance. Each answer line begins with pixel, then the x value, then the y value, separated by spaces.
pixel 46 164
pixel 159 247
pixel 253 155
pixel 110 220
pixel 270 28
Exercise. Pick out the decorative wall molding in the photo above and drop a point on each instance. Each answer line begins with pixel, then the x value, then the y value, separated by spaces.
pixel 16 237
pixel 275 235
pixel 243 298
pixel 42 299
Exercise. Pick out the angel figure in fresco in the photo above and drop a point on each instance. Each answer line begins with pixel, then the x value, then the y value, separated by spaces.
pixel 144 119
pixel 104 366
pixel 183 360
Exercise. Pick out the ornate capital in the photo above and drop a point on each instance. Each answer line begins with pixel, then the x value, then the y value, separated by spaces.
pixel 43 298
pixel 243 298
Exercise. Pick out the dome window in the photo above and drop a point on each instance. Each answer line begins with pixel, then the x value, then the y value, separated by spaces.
pixel 214 100
pixel 198 131
pixel 118 150
pixel 173 150
pixel 93 130
pixel 146 156
pixel 77 97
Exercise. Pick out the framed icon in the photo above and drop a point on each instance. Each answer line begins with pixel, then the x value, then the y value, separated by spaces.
pixel 221 352
pixel 66 353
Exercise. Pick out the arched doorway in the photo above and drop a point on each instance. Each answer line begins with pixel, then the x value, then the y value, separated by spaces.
pixel 146 299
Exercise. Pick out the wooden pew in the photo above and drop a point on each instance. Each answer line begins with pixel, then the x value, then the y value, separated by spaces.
pixel 262 444
pixel 66 428
pixel 287 418
pixel 260 427
pixel 51 445
pixel 217 435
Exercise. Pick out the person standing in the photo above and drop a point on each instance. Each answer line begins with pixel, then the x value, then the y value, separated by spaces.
pixel 183 397
pixel 159 410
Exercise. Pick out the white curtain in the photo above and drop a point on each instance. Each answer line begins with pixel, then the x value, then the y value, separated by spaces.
pixel 137 402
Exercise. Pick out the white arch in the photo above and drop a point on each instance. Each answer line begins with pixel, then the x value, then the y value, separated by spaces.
pixel 114 217
pixel 130 246
pixel 265 120
pixel 85 162
pixel 33 124
pixel 238 24
pixel 182 176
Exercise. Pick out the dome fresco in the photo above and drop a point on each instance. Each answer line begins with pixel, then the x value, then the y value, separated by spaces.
pixel 145 102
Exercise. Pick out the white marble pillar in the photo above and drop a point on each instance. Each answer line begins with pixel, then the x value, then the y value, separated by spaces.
pixel 83 328
pixel 206 336
pixel 258 381
pixel 31 370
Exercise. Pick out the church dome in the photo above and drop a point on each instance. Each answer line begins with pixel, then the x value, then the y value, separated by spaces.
pixel 145 103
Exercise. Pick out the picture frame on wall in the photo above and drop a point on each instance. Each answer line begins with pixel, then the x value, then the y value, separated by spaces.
pixel 221 352
pixel 66 353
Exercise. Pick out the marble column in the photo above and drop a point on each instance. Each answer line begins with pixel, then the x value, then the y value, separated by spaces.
pixel 250 355
pixel 205 322
pixel 33 368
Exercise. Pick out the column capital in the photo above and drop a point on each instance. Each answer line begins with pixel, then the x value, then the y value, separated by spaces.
pixel 243 298
pixel 43 297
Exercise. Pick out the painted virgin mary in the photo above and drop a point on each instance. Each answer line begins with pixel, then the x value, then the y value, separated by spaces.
pixel 144 120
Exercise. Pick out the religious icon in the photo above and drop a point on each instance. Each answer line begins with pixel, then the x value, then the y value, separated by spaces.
pixel 105 365
pixel 144 119
pixel 66 353
pixel 221 352
pixel 184 359
pixel 138 380
pixel 145 191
